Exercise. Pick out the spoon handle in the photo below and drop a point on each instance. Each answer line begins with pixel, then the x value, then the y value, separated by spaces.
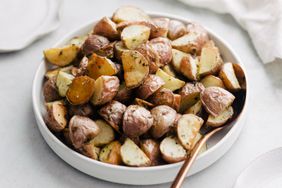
pixel 189 160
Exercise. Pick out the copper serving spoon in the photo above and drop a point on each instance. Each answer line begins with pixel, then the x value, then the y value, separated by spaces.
pixel 208 133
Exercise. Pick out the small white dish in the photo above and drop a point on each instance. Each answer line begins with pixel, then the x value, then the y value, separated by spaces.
pixel 218 145
pixel 22 22
pixel 263 172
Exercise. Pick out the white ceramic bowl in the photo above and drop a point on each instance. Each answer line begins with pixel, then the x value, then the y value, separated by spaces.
pixel 218 145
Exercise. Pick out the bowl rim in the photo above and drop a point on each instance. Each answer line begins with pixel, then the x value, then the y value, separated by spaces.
pixel 68 36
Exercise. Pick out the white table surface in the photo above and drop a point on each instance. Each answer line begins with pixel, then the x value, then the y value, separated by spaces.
pixel 27 161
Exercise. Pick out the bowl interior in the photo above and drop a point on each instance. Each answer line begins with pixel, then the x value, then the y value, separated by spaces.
pixel 39 108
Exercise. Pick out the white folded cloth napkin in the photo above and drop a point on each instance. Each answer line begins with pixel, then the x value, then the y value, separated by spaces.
pixel 262 19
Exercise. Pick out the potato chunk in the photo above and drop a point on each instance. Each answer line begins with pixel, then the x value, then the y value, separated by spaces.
pixel 90 151
pixel 161 29
pixel 105 136
pixel 119 48
pixel 187 128
pixel 163 117
pixel 137 120
pixel 143 103
pixel 210 60
pixel 216 100
pixel 129 13
pixel 107 28
pixel 124 95
pixel 105 89
pixel 55 117
pixel 132 155
pixel 176 29
pixel 98 66
pixel 211 80
pixel 177 57
pixel 112 113
pixel 152 149
pixel 134 35
pixel 171 150
pixel 94 44
pixel 150 85
pixel 50 91
pixel 188 67
pixel 81 90
pixel 216 121
pixel 111 153
pixel 171 82
pixel 61 56
pixel 136 68
pixel 82 129
pixel 228 77
pixel 163 48
pixel 190 94
pixel 63 82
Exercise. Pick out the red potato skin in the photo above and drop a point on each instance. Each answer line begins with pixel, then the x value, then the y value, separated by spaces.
pixel 94 43
pixel 152 149
pixel 163 47
pixel 176 29
pixel 165 96
pixel 112 113
pixel 50 119
pixel 150 85
pixel 124 95
pixel 81 110
pixel 137 120
pixel 50 91
pixel 161 28
pixel 82 129
pixel 107 28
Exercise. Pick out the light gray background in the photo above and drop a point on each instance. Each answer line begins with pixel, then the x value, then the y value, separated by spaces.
pixel 27 161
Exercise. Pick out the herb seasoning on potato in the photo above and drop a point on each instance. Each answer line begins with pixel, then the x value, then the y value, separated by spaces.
pixel 136 90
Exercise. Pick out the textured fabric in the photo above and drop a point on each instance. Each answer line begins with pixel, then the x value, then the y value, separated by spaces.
pixel 262 19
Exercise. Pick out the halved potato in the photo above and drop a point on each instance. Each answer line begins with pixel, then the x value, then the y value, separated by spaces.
pixel 172 151
pixel 98 66
pixel 169 70
pixel 81 90
pixel 119 49
pixel 143 103
pixel 107 28
pixel 166 97
pixel 132 155
pixel 53 73
pixel 125 24
pixel 216 121
pixel 105 89
pixel 211 80
pixel 161 29
pixel 188 67
pixel 171 82
pixel 190 94
pixel 105 136
pixel 163 48
pixel 112 113
pixel 176 29
pixel 124 95
pixel 187 128
pixel 228 77
pixel 50 91
pixel 216 100
pixel 152 149
pixel 210 60
pixel 196 140
pixel 151 55
pixel 195 109
pixel 94 44
pixel 129 13
pixel 90 151
pixel 177 57
pixel 111 153
pixel 134 35
pixel 63 82
pixel 55 117
pixel 61 56
pixel 239 72
pixel 150 85
pixel 136 68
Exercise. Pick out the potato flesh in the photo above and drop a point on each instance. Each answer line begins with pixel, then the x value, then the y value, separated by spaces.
pixel 186 43
pixel 63 82
pixel 61 56
pixel 170 82
pixel 111 153
pixel 98 66
pixel 195 109
pixel 228 76
pixel 177 57
pixel 212 81
pixel 134 35
pixel 129 13
pixel 169 70
pixel 188 67
pixel 187 128
pixel 136 68
pixel 171 150
pixel 216 121
pixel 105 136
pixel 132 155
pixel 56 116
